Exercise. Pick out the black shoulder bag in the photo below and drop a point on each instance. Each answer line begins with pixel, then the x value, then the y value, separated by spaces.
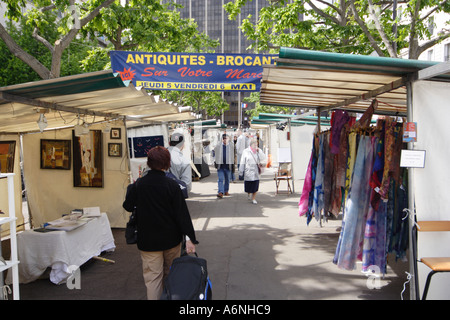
pixel 131 228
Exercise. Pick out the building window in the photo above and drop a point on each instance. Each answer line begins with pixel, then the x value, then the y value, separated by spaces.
pixel 431 25
pixel 447 52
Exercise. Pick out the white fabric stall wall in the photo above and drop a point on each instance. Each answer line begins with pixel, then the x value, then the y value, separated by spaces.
pixel 273 144
pixel 137 164
pixel 51 192
pixel 431 111
pixel 301 145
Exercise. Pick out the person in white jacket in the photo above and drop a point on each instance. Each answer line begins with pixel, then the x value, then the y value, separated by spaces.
pixel 180 167
pixel 241 145
pixel 252 162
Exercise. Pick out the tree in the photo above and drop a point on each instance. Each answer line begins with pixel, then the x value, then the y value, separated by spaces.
pixel 149 26
pixel 14 70
pixel 138 25
pixel 346 26
pixel 206 103
pixel 37 16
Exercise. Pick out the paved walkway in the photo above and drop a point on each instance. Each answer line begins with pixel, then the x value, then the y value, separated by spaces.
pixel 263 251
pixel 266 251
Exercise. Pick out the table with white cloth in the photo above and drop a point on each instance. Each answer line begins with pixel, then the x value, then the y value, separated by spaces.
pixel 60 249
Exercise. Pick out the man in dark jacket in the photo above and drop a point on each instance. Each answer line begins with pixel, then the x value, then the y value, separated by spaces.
pixel 162 220
pixel 224 163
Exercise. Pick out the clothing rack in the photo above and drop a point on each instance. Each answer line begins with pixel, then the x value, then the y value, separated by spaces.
pixel 364 167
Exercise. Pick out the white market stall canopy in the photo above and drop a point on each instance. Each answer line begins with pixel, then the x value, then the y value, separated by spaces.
pixel 98 95
pixel 327 81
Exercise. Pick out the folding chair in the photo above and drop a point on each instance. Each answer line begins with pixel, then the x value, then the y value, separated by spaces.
pixel 436 264
pixel 284 173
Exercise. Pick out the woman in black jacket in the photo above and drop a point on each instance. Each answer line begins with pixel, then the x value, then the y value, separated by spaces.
pixel 163 220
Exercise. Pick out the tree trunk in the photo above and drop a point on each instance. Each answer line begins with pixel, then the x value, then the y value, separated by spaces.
pixel 17 51
pixel 57 50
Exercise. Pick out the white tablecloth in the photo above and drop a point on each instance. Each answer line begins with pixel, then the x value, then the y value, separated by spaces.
pixel 59 249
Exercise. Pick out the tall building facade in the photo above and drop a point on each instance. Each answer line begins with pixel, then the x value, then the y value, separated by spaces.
pixel 213 20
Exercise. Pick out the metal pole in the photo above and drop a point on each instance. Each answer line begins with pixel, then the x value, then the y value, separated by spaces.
pixel 13 238
pixel 240 122
pixel 409 105
pixel 2 283
pixel 318 120
pixel 223 50
pixel 292 159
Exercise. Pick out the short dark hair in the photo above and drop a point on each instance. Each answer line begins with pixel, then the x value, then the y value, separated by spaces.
pixel 158 158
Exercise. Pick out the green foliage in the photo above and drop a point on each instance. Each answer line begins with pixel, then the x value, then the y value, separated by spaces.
pixel 336 27
pixel 144 25
pixel 206 103
pixel 12 69
pixel 259 108
pixel 333 27
pixel 96 59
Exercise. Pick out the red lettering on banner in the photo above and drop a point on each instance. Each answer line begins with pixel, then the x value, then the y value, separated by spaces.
pixel 127 74
pixel 185 71
pixel 238 74
pixel 149 72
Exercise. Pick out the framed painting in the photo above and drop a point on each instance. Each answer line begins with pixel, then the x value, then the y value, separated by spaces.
pixel 142 145
pixel 115 133
pixel 55 154
pixel 115 149
pixel 7 153
pixel 88 159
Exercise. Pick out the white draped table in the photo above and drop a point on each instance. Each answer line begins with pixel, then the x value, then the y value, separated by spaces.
pixel 60 249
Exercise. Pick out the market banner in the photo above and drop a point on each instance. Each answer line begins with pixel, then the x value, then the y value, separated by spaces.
pixel 191 71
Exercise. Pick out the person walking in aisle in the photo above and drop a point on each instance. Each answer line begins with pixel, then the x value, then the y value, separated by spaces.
pixel 250 168
pixel 224 163
pixel 163 220
pixel 180 167
pixel 241 144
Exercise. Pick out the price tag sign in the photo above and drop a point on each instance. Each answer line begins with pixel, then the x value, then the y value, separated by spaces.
pixel 412 159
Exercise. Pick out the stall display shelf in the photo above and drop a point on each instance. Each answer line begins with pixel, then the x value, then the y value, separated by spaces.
pixel 12 264
pixel 9 264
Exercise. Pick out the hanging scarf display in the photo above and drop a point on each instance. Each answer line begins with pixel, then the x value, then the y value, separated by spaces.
pixel 354 171
pixel 307 197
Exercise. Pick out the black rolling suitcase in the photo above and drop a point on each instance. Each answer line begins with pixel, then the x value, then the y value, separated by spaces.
pixel 187 280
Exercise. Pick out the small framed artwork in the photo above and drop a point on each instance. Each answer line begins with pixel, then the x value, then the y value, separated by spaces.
pixel 115 149
pixel 115 133
pixel 55 154
pixel 7 152
pixel 87 159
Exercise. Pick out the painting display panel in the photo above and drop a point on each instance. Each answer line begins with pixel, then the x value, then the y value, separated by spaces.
pixel 7 152
pixel 55 154
pixel 88 159
pixel 142 145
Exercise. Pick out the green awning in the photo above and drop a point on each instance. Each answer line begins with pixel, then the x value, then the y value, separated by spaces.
pixel 95 97
pixel 210 122
pixel 328 81
pixel 67 85
pixel 352 61
pixel 280 116
pixel 272 118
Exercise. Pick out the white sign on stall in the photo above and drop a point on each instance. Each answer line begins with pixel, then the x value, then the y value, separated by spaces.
pixel 412 159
